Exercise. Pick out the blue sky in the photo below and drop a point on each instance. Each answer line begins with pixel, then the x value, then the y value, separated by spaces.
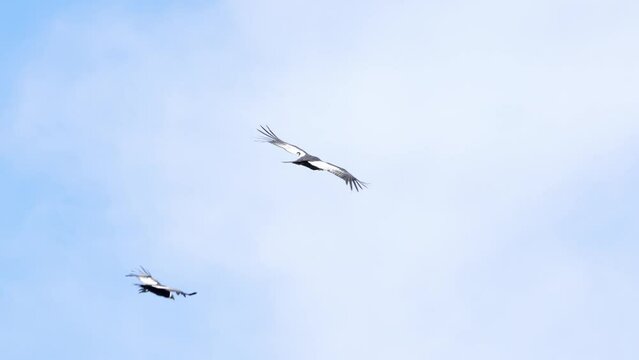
pixel 501 141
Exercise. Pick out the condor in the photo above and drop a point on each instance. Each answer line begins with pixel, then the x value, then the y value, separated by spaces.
pixel 149 284
pixel 310 161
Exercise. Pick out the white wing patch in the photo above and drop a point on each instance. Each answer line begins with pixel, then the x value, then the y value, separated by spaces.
pixel 292 149
pixel 328 167
pixel 338 171
pixel 147 280
pixel 270 137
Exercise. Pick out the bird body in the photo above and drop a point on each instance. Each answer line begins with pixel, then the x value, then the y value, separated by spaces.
pixel 310 161
pixel 157 291
pixel 307 161
pixel 149 284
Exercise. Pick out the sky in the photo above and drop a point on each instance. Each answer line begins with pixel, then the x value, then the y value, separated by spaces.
pixel 500 140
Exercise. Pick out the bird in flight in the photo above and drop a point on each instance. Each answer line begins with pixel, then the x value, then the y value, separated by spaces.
pixel 310 161
pixel 149 284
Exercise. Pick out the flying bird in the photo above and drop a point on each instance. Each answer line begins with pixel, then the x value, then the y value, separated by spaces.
pixel 310 161
pixel 149 284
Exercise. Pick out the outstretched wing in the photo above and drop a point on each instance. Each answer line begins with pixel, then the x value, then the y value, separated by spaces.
pixel 270 137
pixel 180 292
pixel 341 172
pixel 145 277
